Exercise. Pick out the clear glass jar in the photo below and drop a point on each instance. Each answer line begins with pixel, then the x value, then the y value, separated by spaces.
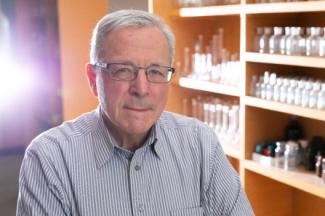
pixel 293 42
pixel 305 94
pixel 313 94
pixel 321 97
pixel 253 86
pixel 313 41
pixel 291 155
pixel 322 44
pixel 274 42
pixel 279 154
pixel 284 90
pixel 270 86
pixel 264 40
pixel 276 90
pixel 291 91
pixel 283 39
pixel 256 43
pixel 298 92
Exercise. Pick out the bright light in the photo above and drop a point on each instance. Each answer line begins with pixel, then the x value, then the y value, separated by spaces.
pixel 15 82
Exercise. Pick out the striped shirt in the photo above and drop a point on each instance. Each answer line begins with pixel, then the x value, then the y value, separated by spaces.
pixel 78 168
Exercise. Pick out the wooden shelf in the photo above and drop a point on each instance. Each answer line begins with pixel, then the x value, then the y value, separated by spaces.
pixel 209 87
pixel 285 7
pixel 285 108
pixel 301 179
pixel 221 10
pixel 232 151
pixel 304 61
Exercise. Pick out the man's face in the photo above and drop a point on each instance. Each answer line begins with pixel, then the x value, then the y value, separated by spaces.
pixel 133 106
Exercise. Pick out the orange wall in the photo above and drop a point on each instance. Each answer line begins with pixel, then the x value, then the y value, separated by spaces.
pixel 77 18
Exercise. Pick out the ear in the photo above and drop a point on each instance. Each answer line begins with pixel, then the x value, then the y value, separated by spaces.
pixel 91 75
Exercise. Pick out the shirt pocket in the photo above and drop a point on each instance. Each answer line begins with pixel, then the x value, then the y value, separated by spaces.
pixel 198 211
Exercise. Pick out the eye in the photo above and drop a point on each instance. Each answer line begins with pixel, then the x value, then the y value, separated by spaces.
pixel 156 71
pixel 122 71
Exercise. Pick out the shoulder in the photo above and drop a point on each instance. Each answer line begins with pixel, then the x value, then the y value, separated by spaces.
pixel 63 134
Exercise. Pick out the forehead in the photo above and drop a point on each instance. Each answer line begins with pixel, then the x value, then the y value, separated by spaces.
pixel 136 42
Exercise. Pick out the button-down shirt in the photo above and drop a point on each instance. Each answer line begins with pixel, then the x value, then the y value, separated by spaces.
pixel 78 168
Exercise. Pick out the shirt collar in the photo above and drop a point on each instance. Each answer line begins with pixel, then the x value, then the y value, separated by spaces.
pixel 105 144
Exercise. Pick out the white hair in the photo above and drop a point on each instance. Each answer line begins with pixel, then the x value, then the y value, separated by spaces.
pixel 123 19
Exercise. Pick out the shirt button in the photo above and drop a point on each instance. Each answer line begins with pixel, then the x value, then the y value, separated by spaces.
pixel 141 208
pixel 137 167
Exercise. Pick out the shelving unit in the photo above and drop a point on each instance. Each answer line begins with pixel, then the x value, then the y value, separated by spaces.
pixel 272 191
pixel 209 87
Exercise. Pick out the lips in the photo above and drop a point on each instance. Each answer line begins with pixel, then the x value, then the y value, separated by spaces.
pixel 138 109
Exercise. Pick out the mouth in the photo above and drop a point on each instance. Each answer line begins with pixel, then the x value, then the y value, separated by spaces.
pixel 137 109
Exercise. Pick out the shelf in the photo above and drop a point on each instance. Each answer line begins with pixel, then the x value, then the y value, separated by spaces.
pixel 221 10
pixel 285 7
pixel 301 179
pixel 285 108
pixel 232 151
pixel 304 61
pixel 209 86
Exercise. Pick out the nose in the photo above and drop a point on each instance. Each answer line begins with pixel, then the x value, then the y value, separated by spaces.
pixel 140 85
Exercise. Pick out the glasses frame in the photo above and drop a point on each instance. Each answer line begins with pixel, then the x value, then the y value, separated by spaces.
pixel 106 66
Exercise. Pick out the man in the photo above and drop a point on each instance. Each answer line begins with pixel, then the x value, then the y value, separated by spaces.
pixel 129 157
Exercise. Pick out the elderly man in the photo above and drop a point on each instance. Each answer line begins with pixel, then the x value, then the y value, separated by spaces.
pixel 129 157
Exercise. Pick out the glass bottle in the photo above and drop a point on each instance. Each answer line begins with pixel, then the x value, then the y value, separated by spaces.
pixel 305 94
pixel 264 40
pixel 291 91
pixel 266 79
pixel 298 92
pixel 313 94
pixel 284 90
pixel 257 37
pixel 313 41
pixel 322 44
pixel 283 39
pixel 274 42
pixel 253 86
pixel 321 97
pixel 276 90
pixel 279 154
pixel 291 155
pixel 292 43
pixel 270 86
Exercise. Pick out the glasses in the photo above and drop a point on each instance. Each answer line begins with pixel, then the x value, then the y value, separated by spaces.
pixel 128 72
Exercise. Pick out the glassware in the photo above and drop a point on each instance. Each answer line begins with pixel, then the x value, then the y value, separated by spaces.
pixel 264 40
pixel 291 155
pixel 313 94
pixel 313 41
pixel 298 92
pixel 322 44
pixel 305 94
pixel 218 117
pixel 258 35
pixel 274 42
pixel 270 86
pixel 279 154
pixel 276 90
pixel 321 97
pixel 293 42
pixel 284 90
pixel 291 91
pixel 283 40
pixel 253 86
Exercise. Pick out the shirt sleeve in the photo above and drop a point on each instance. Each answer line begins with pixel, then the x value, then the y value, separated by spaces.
pixel 39 191
pixel 224 193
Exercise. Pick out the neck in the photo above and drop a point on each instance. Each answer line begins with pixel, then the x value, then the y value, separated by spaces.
pixel 125 140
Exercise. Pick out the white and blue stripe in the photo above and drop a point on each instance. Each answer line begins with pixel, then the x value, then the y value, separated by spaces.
pixel 78 169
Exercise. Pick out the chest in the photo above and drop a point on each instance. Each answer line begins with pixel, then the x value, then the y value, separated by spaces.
pixel 141 186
